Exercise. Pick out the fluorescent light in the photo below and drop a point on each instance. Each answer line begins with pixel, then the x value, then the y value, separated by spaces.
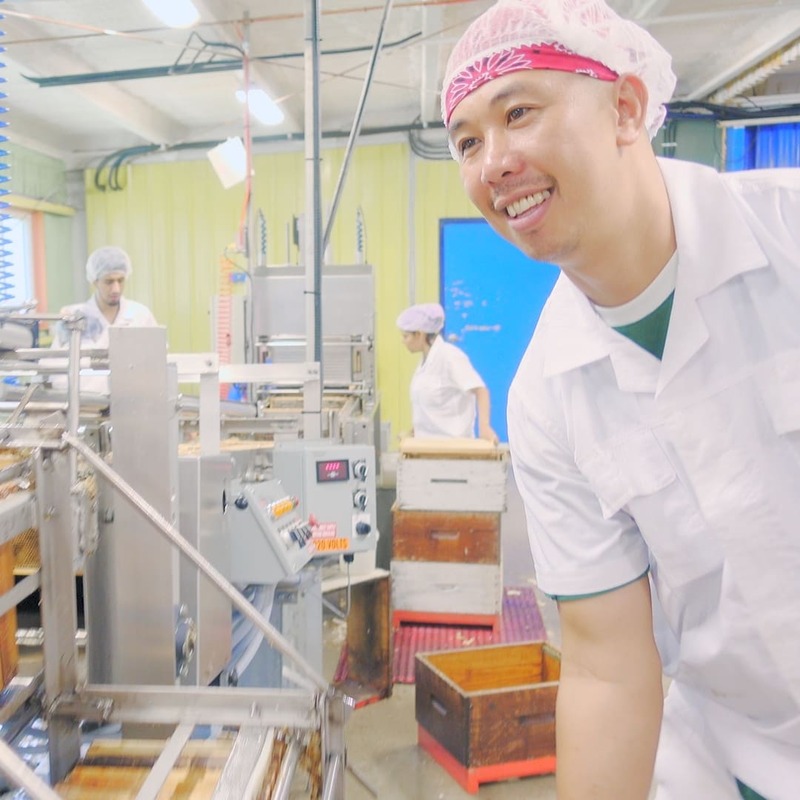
pixel 174 13
pixel 262 106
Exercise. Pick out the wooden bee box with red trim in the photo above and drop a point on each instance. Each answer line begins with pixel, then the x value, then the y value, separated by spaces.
pixel 488 713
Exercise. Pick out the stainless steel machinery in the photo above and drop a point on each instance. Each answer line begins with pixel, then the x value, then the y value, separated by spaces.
pixel 336 486
pixel 273 331
pixel 152 590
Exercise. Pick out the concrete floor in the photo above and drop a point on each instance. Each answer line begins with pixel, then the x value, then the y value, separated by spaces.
pixel 384 758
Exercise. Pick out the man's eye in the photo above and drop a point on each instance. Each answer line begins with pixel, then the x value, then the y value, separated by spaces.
pixel 516 113
pixel 465 144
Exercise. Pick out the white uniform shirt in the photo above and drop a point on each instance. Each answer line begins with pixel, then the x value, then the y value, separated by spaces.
pixel 442 402
pixel 131 314
pixel 689 465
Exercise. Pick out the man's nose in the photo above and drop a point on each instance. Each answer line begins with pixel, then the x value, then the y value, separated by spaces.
pixel 499 158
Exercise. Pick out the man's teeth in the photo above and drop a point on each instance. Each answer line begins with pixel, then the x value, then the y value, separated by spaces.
pixel 516 208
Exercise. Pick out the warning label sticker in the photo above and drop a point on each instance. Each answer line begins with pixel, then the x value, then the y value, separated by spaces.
pixel 331 545
pixel 324 530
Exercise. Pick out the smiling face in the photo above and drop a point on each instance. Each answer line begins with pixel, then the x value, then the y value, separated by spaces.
pixel 538 153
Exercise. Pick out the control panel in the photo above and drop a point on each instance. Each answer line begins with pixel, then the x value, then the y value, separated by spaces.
pixel 336 486
pixel 270 539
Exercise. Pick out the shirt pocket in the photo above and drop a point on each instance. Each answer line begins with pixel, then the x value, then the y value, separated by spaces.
pixel 778 381
pixel 634 475
pixel 630 466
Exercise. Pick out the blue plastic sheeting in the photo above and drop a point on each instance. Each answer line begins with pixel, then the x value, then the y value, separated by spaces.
pixel 762 146
pixel 492 296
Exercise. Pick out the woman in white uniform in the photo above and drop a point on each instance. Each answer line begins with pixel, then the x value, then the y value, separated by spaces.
pixel 447 393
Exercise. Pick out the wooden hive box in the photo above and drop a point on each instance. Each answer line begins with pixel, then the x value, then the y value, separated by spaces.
pixel 446 567
pixel 451 475
pixel 488 713
pixel 446 536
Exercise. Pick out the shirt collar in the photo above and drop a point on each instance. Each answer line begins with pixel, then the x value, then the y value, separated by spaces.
pixel 714 242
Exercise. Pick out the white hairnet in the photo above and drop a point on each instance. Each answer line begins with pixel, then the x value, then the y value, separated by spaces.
pixel 425 317
pixel 586 28
pixel 107 259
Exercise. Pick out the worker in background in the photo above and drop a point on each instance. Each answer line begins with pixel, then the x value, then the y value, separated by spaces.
pixel 107 269
pixel 446 390
pixel 654 421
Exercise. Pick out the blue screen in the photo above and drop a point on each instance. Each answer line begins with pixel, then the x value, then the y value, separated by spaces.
pixel 492 296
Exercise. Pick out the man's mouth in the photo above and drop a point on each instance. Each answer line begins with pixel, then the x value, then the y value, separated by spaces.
pixel 525 203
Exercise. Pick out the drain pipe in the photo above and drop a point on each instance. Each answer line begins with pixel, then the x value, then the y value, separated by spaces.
pixel 355 130
pixel 312 228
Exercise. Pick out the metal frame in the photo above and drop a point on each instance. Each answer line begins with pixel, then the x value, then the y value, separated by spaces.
pixel 255 712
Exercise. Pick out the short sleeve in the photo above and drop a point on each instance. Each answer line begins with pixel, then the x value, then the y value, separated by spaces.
pixel 576 550
pixel 463 374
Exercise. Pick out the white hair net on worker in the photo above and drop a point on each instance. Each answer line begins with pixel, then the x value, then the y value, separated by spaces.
pixel 425 317
pixel 586 28
pixel 107 259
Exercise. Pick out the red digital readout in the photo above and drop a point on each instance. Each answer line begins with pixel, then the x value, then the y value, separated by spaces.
pixel 328 471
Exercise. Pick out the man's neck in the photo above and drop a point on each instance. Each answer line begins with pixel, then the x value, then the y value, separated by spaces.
pixel 624 264
pixel 108 311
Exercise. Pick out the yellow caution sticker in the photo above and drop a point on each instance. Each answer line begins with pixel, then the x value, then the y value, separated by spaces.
pixel 330 545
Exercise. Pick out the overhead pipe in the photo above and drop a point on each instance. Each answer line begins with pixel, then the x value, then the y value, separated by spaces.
pixel 356 128
pixel 194 68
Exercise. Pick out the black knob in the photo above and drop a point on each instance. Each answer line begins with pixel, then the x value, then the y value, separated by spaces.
pixel 363 528
pixel 241 502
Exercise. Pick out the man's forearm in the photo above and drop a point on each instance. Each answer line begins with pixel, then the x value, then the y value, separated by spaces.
pixel 607 733
pixel 483 407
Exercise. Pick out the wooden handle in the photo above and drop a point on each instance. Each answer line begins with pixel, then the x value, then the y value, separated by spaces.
pixel 449 536
pixel 438 707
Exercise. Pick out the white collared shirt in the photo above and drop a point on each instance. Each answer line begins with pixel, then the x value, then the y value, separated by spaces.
pixel 689 465
pixel 130 314
pixel 442 402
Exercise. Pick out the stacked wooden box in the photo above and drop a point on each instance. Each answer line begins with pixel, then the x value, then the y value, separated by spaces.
pixel 488 713
pixel 446 545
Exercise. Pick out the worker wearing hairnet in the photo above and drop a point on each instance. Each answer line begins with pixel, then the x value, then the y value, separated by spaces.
pixel 446 390
pixel 654 421
pixel 107 269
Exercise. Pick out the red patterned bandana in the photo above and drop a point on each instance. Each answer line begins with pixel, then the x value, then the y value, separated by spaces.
pixel 515 59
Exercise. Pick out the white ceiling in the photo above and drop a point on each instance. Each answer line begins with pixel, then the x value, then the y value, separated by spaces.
pixel 712 41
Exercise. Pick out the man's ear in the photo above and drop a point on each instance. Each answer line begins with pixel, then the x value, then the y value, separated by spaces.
pixel 631 97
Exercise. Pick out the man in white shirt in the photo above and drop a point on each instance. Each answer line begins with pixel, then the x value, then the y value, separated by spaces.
pixel 107 269
pixel 654 421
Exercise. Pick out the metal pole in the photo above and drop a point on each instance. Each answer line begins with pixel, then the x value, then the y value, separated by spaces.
pixel 354 131
pixel 312 232
pixel 74 392
pixel 271 634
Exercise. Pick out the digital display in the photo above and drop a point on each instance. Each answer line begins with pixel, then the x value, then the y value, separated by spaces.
pixel 330 471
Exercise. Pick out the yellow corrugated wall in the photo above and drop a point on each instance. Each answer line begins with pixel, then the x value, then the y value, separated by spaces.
pixel 176 221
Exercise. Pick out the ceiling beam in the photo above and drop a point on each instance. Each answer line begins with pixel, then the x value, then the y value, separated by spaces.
pixel 770 36
pixel 129 111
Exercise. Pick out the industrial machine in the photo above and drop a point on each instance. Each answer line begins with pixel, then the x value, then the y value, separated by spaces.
pixel 270 328
pixel 100 483
pixel 336 486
